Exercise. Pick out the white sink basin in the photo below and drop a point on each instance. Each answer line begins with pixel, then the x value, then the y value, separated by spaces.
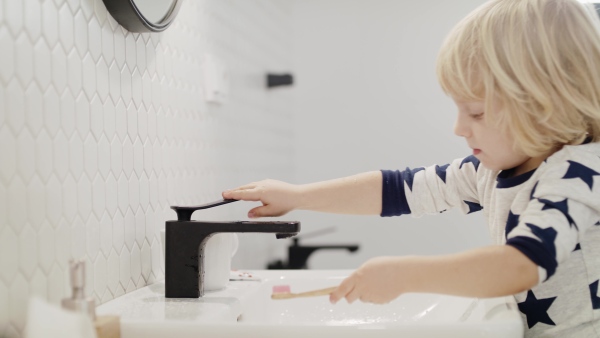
pixel 245 308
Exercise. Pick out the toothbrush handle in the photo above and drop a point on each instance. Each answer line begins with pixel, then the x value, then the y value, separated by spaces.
pixel 314 293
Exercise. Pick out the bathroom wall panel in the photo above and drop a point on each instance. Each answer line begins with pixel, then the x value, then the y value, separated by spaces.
pixel 101 130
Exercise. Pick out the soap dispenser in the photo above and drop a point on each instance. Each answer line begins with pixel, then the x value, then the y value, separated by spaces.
pixel 106 326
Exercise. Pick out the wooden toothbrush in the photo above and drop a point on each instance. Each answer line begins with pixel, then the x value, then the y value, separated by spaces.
pixel 284 292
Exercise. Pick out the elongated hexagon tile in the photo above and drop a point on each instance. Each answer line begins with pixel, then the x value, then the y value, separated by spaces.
pixel 138 157
pixel 100 274
pixel 15 105
pixel 62 240
pixel 42 63
pixel 114 81
pixel 34 103
pixel 69 191
pixel 92 242
pixel 98 196
pixel 23 58
pixel 84 196
pixel 54 200
pixel 134 192
pixel 130 56
pixel 78 238
pixel 61 155
pixel 119 42
pixel 116 156
pixel 110 112
pixel 67 113
pixel 65 27
pixel 14 21
pixel 140 227
pixel 90 155
pixel 129 226
pixel 121 120
pixel 59 68
pixel 123 191
pixel 50 22
pixel 112 264
pixel 76 157
pixel 17 210
pixel 124 268
pixel 118 233
pixel 142 123
pixel 144 191
pixel 127 156
pixel 9 154
pixel 136 87
pixel 89 75
pixel 46 248
pixel 94 39
pixel 51 111
pixel 81 34
pixel 36 201
pixel 28 252
pixel 136 263
pixel 32 19
pixel 146 260
pixel 25 155
pixel 9 245
pixel 43 156
pixel 103 156
pixel 74 71
pixel 105 234
pixel 112 194
pixel 102 79
pixel 108 46
pixel 126 84
pixel 7 61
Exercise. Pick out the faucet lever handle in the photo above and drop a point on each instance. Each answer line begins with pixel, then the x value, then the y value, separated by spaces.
pixel 184 213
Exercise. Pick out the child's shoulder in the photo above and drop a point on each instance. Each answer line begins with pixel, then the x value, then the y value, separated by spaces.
pixel 572 161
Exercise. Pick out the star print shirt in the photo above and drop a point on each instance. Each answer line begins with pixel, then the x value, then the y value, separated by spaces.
pixel 550 214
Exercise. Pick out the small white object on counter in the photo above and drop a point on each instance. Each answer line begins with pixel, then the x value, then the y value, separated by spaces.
pixel 45 320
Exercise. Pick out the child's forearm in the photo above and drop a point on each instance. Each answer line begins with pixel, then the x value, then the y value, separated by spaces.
pixel 486 272
pixel 359 194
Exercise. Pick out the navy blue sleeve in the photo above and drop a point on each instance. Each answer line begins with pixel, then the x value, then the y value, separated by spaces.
pixel 393 198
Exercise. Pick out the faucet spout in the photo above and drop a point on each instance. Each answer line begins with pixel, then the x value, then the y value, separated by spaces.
pixel 185 242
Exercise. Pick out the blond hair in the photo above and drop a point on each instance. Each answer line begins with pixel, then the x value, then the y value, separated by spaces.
pixel 538 60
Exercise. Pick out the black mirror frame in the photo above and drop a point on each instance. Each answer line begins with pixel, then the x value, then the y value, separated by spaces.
pixel 129 16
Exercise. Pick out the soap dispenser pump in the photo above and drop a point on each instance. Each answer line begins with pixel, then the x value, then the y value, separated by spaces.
pixel 105 326
pixel 78 301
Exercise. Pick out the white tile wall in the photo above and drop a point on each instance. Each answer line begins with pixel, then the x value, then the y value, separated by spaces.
pixel 101 130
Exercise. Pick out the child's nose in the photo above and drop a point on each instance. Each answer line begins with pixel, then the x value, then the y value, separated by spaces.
pixel 460 128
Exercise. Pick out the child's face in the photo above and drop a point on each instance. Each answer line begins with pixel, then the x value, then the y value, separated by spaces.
pixel 492 148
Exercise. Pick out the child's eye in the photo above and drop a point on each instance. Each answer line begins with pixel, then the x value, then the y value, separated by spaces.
pixel 477 116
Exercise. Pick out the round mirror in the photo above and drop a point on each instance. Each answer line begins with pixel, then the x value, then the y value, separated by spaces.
pixel 143 15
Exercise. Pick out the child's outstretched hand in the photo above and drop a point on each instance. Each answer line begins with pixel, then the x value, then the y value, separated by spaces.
pixel 380 280
pixel 278 198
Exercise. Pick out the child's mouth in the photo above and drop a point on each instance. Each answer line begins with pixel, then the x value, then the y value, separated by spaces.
pixel 476 151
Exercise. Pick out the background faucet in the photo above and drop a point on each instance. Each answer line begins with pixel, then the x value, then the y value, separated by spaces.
pixel 185 241
pixel 298 254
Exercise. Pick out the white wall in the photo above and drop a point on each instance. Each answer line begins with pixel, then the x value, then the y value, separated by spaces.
pixel 367 98
pixel 101 130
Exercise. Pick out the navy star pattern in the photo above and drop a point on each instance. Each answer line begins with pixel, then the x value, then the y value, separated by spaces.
pixel 473 206
pixel 409 175
pixel 511 222
pixel 536 310
pixel 577 247
pixel 441 171
pixel 594 295
pixel 533 190
pixel 560 206
pixel 470 159
pixel 578 170
pixel 547 236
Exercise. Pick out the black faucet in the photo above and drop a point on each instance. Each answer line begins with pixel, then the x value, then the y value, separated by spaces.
pixel 185 242
pixel 298 254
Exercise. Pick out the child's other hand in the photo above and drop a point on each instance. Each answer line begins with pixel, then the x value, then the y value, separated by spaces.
pixel 380 280
pixel 278 198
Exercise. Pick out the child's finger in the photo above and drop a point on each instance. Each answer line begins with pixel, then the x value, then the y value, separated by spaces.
pixel 244 195
pixel 345 287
